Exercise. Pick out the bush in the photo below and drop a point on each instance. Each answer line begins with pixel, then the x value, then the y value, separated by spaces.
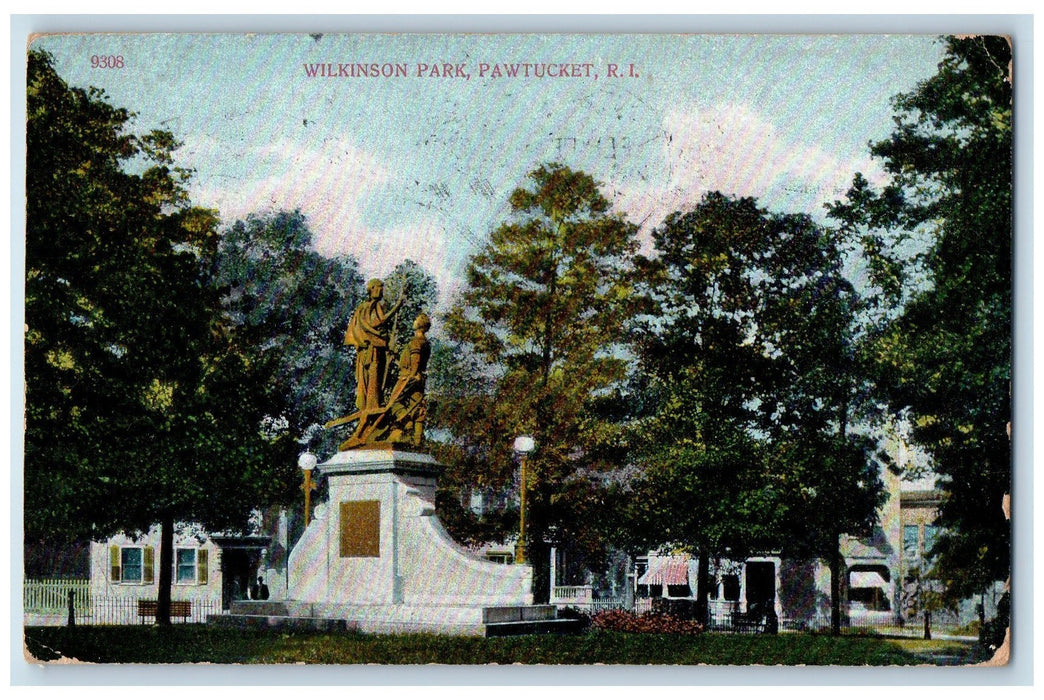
pixel 646 623
pixel 571 613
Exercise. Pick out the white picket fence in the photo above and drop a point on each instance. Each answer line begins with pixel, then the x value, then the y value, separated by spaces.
pixel 52 595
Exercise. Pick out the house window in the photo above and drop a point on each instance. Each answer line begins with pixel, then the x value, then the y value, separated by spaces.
pixel 185 567
pixel 131 564
pixel 870 598
pixel 500 557
pixel 731 584
pixel 931 536
pixel 681 590
pixel 910 544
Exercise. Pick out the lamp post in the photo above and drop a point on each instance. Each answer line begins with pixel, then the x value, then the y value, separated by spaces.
pixel 307 462
pixel 524 444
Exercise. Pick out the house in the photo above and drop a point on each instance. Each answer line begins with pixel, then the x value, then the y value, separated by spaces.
pixel 884 584
pixel 205 566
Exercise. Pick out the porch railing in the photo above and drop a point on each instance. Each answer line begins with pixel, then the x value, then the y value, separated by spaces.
pixel 572 595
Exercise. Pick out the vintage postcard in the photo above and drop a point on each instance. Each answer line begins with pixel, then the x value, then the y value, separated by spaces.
pixel 557 349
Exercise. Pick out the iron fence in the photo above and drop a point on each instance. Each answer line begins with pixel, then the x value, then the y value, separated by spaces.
pixel 125 611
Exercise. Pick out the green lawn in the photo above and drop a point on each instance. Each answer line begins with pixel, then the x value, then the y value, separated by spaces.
pixel 200 643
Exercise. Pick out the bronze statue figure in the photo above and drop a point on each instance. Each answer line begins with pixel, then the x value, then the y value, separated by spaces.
pixel 399 418
pixel 407 405
pixel 368 333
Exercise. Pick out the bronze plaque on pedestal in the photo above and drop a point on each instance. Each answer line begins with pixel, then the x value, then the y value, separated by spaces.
pixel 360 529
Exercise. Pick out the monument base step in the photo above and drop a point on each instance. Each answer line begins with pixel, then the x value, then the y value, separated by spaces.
pixel 283 623
pixel 272 608
pixel 495 621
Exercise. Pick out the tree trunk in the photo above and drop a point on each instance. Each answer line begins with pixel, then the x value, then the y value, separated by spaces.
pixel 835 587
pixel 927 624
pixel 166 569
pixel 702 574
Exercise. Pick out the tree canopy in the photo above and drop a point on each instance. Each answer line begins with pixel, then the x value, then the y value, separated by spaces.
pixel 545 310
pixel 750 351
pixel 944 359
pixel 293 304
pixel 141 404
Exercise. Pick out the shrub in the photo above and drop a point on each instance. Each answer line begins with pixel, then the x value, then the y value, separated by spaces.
pixel 571 613
pixel 646 623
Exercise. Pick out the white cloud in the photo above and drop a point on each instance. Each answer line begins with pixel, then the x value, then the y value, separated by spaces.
pixel 739 151
pixel 330 182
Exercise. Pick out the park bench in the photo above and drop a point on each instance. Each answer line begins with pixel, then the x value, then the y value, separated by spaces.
pixel 755 622
pixel 178 608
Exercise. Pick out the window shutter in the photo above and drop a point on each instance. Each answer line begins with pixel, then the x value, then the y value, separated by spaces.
pixel 114 563
pixel 146 566
pixel 201 565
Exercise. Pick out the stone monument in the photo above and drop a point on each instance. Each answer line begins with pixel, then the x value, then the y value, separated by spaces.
pixel 375 557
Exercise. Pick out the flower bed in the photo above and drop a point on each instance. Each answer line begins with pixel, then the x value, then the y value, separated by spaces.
pixel 644 623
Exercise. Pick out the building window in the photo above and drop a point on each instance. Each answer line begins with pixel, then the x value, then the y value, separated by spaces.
pixel 931 536
pixel 500 557
pixel 131 564
pixel 731 584
pixel 681 590
pixel 868 587
pixel 874 599
pixel 185 566
pixel 911 544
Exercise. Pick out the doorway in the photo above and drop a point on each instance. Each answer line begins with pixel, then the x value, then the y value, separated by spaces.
pixel 238 567
pixel 761 587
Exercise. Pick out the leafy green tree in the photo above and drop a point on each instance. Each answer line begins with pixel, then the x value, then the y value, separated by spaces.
pixel 703 485
pixel 421 296
pixel 825 408
pixel 141 407
pixel 937 237
pixel 544 313
pixel 293 304
pixel 751 350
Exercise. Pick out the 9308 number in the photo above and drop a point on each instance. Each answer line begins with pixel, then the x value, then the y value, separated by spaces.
pixel 106 61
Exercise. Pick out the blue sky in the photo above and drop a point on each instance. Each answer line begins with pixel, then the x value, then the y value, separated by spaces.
pixel 421 167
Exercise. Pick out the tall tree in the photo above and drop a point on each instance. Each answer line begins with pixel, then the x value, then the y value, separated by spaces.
pixel 752 353
pixel 938 239
pixel 140 405
pixel 704 486
pixel 293 305
pixel 546 306
pixel 421 294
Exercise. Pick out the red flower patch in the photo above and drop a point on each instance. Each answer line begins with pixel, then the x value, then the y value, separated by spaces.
pixel 645 623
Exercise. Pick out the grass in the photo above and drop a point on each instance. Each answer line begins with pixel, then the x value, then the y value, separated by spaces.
pixel 203 644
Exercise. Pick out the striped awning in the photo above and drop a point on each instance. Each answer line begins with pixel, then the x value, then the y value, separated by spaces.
pixel 666 572
pixel 866 579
